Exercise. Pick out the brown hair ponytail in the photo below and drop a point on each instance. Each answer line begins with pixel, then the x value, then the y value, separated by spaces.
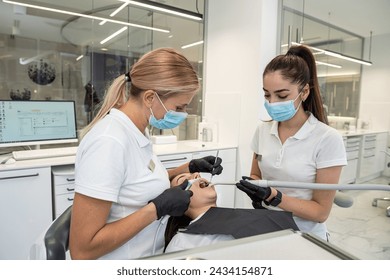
pixel 298 66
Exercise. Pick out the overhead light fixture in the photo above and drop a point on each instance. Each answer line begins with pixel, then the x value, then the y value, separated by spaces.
pixel 328 64
pixel 6 56
pixel 25 61
pixel 343 74
pixel 346 57
pixel 124 5
pixel 60 11
pixel 113 35
pixel 336 54
pixel 192 45
pixel 159 7
pixel 79 57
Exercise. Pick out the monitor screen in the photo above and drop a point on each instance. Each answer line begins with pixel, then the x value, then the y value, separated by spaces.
pixel 24 123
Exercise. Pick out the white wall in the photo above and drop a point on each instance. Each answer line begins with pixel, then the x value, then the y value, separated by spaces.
pixel 375 90
pixel 240 41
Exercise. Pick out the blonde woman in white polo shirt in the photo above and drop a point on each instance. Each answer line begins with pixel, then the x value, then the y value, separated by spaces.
pixel 122 189
pixel 297 145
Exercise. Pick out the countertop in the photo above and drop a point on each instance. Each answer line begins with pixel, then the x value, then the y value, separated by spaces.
pixel 189 146
pixel 359 132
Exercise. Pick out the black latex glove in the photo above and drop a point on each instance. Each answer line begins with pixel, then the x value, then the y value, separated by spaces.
pixel 206 164
pixel 256 194
pixel 173 201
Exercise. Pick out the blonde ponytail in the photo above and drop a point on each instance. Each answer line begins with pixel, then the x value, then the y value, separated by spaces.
pixel 163 70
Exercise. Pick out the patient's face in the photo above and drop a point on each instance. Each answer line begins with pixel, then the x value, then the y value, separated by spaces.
pixel 204 194
pixel 184 176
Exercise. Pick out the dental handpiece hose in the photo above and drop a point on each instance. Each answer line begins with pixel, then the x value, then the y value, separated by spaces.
pixel 319 186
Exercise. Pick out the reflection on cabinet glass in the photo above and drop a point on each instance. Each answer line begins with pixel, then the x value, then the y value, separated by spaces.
pixel 342 97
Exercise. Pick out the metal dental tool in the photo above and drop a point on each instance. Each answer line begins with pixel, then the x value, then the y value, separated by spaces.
pixel 216 158
pixel 202 184
pixel 190 182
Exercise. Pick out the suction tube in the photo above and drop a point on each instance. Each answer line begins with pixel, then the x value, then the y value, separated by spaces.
pixel 313 186
pixel 319 186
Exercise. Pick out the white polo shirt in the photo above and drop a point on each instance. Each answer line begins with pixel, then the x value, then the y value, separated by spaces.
pixel 115 162
pixel 315 146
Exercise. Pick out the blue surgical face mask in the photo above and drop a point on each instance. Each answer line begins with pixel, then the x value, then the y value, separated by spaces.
pixel 282 111
pixel 171 118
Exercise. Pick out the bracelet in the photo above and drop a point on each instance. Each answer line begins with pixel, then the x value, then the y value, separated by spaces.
pixel 276 200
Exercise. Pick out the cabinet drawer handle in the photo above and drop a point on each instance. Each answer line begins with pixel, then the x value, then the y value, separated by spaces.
pixel 21 176
pixel 174 159
pixel 70 199
pixel 368 156
pixel 70 179
pixel 70 189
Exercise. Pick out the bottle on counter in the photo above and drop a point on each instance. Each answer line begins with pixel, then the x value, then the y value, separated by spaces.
pixel 207 131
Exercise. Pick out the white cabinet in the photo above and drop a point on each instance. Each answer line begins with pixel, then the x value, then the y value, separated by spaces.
pixel 349 172
pixel 380 155
pixel 175 160
pixel 25 207
pixel 372 160
pixel 367 159
pixel 63 188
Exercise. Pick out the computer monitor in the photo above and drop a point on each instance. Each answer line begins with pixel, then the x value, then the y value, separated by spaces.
pixel 25 123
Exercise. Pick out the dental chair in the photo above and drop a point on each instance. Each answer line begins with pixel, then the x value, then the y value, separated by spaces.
pixel 57 236
pixel 375 201
pixel 343 200
pixel 375 204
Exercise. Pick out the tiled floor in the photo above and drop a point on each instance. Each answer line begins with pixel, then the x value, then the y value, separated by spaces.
pixel 363 230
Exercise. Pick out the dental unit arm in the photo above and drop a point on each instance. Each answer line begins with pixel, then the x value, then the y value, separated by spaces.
pixel 313 186
pixel 341 199
pixel 318 186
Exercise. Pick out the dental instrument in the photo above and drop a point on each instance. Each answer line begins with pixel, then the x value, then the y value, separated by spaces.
pixel 190 182
pixel 216 158
pixel 202 184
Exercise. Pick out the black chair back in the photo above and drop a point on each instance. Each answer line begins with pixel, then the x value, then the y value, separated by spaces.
pixel 57 236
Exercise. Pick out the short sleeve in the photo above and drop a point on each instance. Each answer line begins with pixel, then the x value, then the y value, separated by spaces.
pixel 332 150
pixel 100 169
pixel 256 140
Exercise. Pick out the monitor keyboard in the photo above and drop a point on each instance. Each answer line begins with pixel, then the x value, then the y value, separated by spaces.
pixel 44 153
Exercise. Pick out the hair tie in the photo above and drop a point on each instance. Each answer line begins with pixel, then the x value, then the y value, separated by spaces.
pixel 127 77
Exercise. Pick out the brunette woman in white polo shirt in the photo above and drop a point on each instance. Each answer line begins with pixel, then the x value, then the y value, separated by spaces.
pixel 297 145
pixel 122 189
